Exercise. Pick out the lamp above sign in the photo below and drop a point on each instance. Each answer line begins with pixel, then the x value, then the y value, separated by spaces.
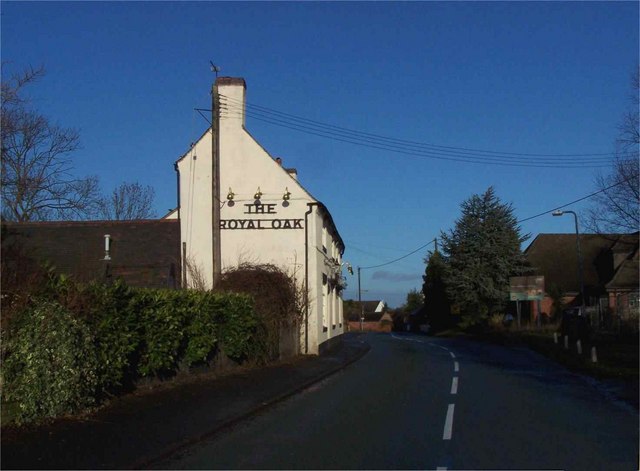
pixel 526 288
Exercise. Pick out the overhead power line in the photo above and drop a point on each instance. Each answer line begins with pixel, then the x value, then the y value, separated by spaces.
pixel 578 200
pixel 231 107
pixel 400 258
pixel 238 105
pixel 548 211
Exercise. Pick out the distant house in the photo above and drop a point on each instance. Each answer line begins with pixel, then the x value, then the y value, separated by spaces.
pixel 610 271
pixel 374 314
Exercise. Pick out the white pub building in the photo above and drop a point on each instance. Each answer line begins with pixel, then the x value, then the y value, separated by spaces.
pixel 265 216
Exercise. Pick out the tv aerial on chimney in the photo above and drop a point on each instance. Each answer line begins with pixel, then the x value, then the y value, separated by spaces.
pixel 215 68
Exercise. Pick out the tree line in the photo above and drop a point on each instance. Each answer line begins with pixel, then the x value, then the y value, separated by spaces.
pixel 38 180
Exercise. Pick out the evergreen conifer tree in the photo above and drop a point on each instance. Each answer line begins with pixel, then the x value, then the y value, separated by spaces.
pixel 436 301
pixel 481 253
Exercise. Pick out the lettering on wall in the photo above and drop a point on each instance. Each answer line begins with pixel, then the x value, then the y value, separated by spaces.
pixel 260 209
pixel 260 224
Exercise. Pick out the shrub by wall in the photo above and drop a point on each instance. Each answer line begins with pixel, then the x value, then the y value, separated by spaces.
pixel 242 333
pixel 279 303
pixel 227 321
pixel 202 330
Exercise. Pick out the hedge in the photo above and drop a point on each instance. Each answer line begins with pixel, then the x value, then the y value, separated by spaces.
pixel 51 368
pixel 73 345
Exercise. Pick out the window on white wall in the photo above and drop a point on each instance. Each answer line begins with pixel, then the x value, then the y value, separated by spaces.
pixel 324 236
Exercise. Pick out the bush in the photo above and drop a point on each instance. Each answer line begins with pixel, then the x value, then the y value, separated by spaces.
pixel 71 345
pixel 242 334
pixel 162 328
pixel 185 328
pixel 203 327
pixel 279 302
pixel 50 365
pixel 115 325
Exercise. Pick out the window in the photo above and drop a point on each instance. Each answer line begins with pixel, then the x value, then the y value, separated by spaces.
pixel 325 304
pixel 324 236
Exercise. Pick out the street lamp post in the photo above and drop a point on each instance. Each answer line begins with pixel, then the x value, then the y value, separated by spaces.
pixel 580 267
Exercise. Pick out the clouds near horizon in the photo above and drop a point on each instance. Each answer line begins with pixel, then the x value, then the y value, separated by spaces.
pixel 395 277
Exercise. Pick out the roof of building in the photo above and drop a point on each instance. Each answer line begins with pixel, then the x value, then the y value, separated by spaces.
pixel 332 225
pixel 373 310
pixel 144 253
pixel 555 257
pixel 626 276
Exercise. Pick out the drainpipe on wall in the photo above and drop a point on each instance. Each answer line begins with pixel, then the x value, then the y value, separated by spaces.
pixel 183 271
pixel 306 275
pixel 175 167
pixel 184 265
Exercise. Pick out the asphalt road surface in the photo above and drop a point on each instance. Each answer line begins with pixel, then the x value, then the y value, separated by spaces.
pixel 415 402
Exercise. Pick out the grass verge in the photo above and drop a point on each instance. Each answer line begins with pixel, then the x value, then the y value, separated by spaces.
pixel 618 357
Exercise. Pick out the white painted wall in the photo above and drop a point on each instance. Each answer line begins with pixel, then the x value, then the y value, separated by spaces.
pixel 268 230
pixel 195 207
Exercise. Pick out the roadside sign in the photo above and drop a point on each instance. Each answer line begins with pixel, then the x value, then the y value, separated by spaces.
pixel 526 288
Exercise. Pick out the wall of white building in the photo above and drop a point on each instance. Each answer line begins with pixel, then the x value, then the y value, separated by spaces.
pixel 286 226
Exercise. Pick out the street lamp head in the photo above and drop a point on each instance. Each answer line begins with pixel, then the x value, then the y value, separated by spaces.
pixel 557 212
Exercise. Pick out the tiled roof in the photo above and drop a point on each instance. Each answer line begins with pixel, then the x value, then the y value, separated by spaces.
pixel 626 276
pixel 144 253
pixel 353 310
pixel 555 257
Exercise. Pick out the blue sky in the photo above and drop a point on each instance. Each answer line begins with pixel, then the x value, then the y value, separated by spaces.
pixel 526 78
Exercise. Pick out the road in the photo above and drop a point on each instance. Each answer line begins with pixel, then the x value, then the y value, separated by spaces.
pixel 416 402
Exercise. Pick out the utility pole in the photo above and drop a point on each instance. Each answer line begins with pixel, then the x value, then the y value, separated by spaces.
pixel 360 302
pixel 215 182
pixel 579 254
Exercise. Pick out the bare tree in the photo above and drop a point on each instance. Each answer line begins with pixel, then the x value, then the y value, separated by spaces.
pixel 37 178
pixel 196 278
pixel 128 201
pixel 616 208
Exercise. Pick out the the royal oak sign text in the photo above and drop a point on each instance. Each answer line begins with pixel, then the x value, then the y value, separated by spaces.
pixel 260 224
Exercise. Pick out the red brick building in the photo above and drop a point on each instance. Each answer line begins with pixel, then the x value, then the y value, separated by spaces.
pixel 610 271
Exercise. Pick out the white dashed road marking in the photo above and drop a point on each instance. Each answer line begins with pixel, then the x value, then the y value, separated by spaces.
pixel 448 423
pixel 454 385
